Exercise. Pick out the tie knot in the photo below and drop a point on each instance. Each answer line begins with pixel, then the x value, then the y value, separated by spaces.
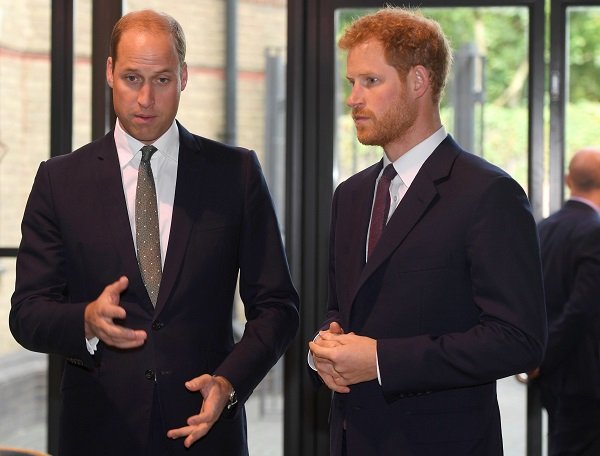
pixel 389 172
pixel 147 152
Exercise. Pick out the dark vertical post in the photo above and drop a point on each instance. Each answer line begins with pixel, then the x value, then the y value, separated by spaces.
pixel 61 129
pixel 230 134
pixel 104 16
pixel 558 100
pixel 534 420
pixel 309 182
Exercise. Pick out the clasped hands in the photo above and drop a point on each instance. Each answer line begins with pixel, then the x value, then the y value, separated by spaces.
pixel 342 359
pixel 99 319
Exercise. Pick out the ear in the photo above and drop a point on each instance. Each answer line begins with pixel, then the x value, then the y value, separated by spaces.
pixel 569 181
pixel 184 76
pixel 420 80
pixel 109 72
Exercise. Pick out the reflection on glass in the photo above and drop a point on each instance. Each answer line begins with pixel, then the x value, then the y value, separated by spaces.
pixel 583 91
pixel 485 106
pixel 24 143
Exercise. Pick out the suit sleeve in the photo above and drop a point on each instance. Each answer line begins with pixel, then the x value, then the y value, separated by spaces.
pixel 42 318
pixel 503 262
pixel 581 311
pixel 270 301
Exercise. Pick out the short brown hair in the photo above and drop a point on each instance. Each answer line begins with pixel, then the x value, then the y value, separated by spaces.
pixel 409 39
pixel 153 21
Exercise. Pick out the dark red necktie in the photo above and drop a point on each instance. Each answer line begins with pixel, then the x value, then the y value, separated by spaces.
pixel 381 207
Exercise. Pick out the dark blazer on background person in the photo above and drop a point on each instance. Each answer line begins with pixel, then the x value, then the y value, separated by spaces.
pixel 453 295
pixel 570 245
pixel 77 239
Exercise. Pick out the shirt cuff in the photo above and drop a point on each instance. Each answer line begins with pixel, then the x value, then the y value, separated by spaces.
pixel 377 364
pixel 92 345
pixel 310 359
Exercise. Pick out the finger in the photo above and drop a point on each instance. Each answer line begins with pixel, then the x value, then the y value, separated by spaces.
pixel 333 385
pixel 118 286
pixel 323 364
pixel 319 350
pixel 122 337
pixel 198 383
pixel 179 432
pixel 110 312
pixel 197 433
pixel 327 343
pixel 329 336
pixel 336 328
pixel 131 339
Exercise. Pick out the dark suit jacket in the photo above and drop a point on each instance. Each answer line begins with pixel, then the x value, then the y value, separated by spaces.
pixel 77 239
pixel 570 244
pixel 452 293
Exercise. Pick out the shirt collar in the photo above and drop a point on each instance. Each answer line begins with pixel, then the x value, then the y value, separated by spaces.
pixel 586 201
pixel 128 148
pixel 408 165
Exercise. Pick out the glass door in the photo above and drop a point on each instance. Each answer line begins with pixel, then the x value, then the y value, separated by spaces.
pixel 574 90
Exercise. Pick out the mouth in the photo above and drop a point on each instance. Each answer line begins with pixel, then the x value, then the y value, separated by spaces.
pixel 360 117
pixel 143 118
pixel 359 120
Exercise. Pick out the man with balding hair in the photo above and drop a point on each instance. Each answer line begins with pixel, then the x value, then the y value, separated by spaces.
pixel 570 373
pixel 131 251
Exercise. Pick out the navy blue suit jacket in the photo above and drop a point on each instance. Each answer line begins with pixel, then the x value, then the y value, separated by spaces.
pixel 570 243
pixel 76 239
pixel 452 293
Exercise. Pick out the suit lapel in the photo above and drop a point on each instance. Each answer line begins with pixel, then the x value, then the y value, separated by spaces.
pixel 190 169
pixel 109 188
pixel 419 198
pixel 362 200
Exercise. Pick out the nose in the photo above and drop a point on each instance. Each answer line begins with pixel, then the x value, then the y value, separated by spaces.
pixel 355 98
pixel 146 95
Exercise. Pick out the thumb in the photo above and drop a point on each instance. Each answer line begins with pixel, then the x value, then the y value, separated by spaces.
pixel 117 287
pixel 335 328
pixel 196 384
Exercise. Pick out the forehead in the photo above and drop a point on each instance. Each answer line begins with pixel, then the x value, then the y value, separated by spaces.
pixel 367 57
pixel 146 47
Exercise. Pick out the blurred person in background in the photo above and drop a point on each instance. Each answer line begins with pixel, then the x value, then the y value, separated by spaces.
pixel 569 376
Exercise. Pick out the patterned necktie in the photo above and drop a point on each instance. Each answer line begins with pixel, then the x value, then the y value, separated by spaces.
pixel 381 207
pixel 146 226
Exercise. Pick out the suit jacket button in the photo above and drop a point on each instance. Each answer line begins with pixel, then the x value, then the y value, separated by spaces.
pixel 150 375
pixel 156 325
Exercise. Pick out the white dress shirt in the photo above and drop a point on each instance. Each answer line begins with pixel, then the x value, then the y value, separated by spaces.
pixel 407 166
pixel 164 169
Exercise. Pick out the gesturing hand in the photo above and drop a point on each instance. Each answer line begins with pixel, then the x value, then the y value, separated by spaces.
pixel 99 316
pixel 215 391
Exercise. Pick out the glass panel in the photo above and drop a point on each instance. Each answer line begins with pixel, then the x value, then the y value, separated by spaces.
pixel 25 107
pixel 24 143
pixel 485 106
pixel 260 118
pixel 582 109
pixel 82 74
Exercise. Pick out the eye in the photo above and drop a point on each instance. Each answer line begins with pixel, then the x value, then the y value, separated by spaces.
pixel 163 80
pixel 131 78
pixel 370 81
